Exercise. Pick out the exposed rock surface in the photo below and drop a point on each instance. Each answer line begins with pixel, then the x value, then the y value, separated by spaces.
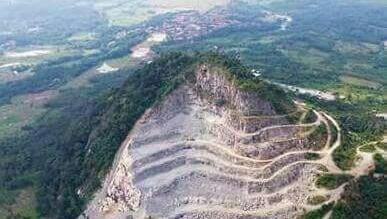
pixel 209 150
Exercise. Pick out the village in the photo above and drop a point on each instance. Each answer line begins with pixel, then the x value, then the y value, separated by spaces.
pixel 192 24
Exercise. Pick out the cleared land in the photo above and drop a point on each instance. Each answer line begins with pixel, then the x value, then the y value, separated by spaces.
pixel 32 53
pixel 22 110
pixel 353 80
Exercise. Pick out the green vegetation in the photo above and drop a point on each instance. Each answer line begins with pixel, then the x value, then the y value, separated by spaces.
pixel 358 127
pixel 363 198
pixel 334 132
pixel 53 74
pixel 130 13
pixel 15 157
pixel 369 148
pixel 382 145
pixel 319 213
pixel 316 200
pixel 310 117
pixel 46 22
pixel 75 124
pixel 71 147
pixel 310 52
pixel 345 155
pixel 318 138
pixel 22 204
pixel 332 181
pixel 357 130
pixel 294 117
pixel 312 156
pixel 380 164
pixel 23 126
pixel 20 112
pixel 313 53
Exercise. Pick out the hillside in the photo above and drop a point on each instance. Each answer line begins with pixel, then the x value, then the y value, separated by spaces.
pixel 65 154
pixel 181 122
pixel 217 148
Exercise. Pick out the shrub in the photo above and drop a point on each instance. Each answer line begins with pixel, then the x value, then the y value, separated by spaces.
pixel 332 181
pixel 380 164
pixel 369 148
pixel 319 213
pixel 312 156
pixel 316 200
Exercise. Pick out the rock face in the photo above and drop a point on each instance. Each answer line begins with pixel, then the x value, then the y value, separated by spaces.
pixel 209 150
pixel 217 87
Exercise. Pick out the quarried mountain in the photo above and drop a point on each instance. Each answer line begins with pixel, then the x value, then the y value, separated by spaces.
pixel 221 143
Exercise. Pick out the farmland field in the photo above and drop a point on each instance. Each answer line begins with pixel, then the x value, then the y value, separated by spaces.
pixel 127 13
